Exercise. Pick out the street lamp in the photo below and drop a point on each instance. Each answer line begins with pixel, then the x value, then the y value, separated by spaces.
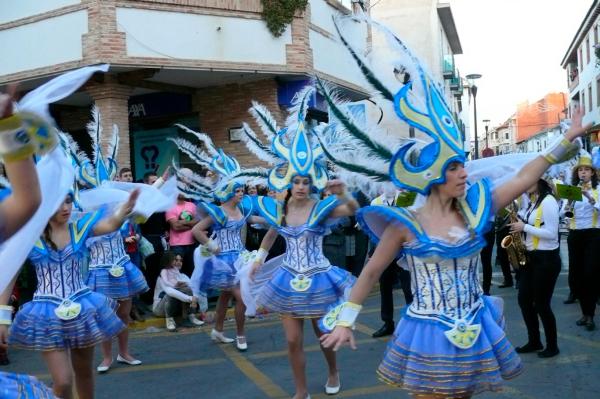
pixel 487 125
pixel 473 89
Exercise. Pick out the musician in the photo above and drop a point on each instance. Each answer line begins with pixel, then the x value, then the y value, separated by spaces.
pixel 538 277
pixel 584 241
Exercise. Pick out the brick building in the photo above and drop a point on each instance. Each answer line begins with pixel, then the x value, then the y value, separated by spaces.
pixel 196 62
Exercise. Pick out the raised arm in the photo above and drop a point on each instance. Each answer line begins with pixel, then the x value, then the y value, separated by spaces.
pixel 26 197
pixel 533 170
pixel 390 244
pixel 348 205
pixel 199 230
pixel 116 220
pixel 265 246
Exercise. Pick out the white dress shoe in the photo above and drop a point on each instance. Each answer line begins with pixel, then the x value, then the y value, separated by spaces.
pixel 103 369
pixel 240 342
pixel 194 320
pixel 133 362
pixel 329 390
pixel 218 336
pixel 170 322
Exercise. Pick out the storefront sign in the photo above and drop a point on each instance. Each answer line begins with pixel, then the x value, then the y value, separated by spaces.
pixel 153 152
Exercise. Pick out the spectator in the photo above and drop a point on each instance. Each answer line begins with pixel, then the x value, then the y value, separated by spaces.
pixel 181 219
pixel 334 244
pixel 154 230
pixel 173 294
pixel 125 175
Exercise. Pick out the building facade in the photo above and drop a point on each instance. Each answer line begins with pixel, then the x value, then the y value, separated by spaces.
pixel 195 62
pixel 582 73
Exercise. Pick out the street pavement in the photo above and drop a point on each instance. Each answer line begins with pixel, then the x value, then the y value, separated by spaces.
pixel 186 364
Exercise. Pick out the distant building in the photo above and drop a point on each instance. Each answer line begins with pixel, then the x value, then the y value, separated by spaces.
pixel 582 73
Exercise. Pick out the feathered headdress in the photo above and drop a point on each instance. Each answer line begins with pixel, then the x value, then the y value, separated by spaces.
pixel 99 169
pixel 231 174
pixel 292 150
pixel 419 102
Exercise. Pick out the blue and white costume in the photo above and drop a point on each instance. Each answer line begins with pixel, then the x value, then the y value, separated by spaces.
pixel 20 386
pixel 300 283
pixel 111 272
pixel 451 341
pixel 212 272
pixel 64 312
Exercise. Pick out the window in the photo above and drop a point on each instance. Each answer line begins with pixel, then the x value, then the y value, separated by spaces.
pixel 587 50
pixel 580 58
pixel 595 34
pixel 506 136
pixel 598 91
pixel 590 99
pixel 582 104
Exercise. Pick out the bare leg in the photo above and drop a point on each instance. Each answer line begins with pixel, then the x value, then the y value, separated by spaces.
pixel 240 310
pixel 60 370
pixel 333 377
pixel 221 310
pixel 82 359
pixel 123 312
pixel 294 335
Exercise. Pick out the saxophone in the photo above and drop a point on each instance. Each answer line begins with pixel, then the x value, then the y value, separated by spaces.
pixel 513 243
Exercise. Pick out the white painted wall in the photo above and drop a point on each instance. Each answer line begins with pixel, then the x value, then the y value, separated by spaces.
pixel 47 42
pixel 165 34
pixel 588 75
pixel 16 9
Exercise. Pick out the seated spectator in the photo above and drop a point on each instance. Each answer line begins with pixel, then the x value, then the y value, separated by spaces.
pixel 173 294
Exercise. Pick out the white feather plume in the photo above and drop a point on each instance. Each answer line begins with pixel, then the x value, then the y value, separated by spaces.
pixel 264 119
pixel 203 137
pixel 94 129
pixel 251 140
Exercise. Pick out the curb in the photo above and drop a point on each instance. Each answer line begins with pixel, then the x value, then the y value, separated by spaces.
pixel 159 322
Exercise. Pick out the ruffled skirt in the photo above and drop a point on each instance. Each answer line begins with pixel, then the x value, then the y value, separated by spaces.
pixel 214 272
pixel 129 284
pixel 275 289
pixel 37 327
pixel 421 360
pixel 21 386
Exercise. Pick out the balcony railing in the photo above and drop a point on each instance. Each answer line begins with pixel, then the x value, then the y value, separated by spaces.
pixel 448 69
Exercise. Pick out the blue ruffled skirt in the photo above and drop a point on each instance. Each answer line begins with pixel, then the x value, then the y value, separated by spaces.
pixel 421 360
pixel 131 283
pixel 37 327
pixel 214 272
pixel 326 289
pixel 21 386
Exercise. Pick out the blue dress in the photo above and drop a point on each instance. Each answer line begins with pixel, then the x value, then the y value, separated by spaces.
pixel 64 312
pixel 110 270
pixel 451 341
pixel 301 283
pixel 218 272
pixel 19 386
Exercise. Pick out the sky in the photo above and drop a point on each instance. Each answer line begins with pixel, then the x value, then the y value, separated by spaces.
pixel 517 46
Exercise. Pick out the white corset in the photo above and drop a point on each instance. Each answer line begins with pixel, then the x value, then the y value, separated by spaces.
pixel 229 237
pixel 59 273
pixel 445 289
pixel 106 250
pixel 304 249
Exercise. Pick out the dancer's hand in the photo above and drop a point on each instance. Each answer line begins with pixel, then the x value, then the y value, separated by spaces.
pixel 3 336
pixel 577 129
pixel 6 102
pixel 339 337
pixel 255 266
pixel 336 187
pixel 131 201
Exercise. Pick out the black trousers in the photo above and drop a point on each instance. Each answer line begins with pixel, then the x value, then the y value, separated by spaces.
pixel 153 267
pixel 584 267
pixel 486 260
pixel 390 276
pixel 536 287
pixel 502 256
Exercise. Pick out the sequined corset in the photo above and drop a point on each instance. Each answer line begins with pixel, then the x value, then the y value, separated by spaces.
pixel 229 237
pixel 445 288
pixel 107 250
pixel 304 249
pixel 59 273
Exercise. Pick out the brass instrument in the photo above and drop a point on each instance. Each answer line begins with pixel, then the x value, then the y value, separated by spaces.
pixel 513 243
pixel 569 209
pixel 585 187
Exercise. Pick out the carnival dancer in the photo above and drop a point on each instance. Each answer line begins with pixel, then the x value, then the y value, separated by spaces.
pixel 539 226
pixel 111 272
pixel 216 260
pixel 584 240
pixel 300 284
pixel 451 342
pixel 19 214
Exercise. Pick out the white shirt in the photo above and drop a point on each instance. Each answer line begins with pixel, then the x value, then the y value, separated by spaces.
pixel 548 230
pixel 584 213
pixel 161 287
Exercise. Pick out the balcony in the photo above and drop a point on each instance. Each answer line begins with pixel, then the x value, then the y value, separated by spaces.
pixel 448 69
